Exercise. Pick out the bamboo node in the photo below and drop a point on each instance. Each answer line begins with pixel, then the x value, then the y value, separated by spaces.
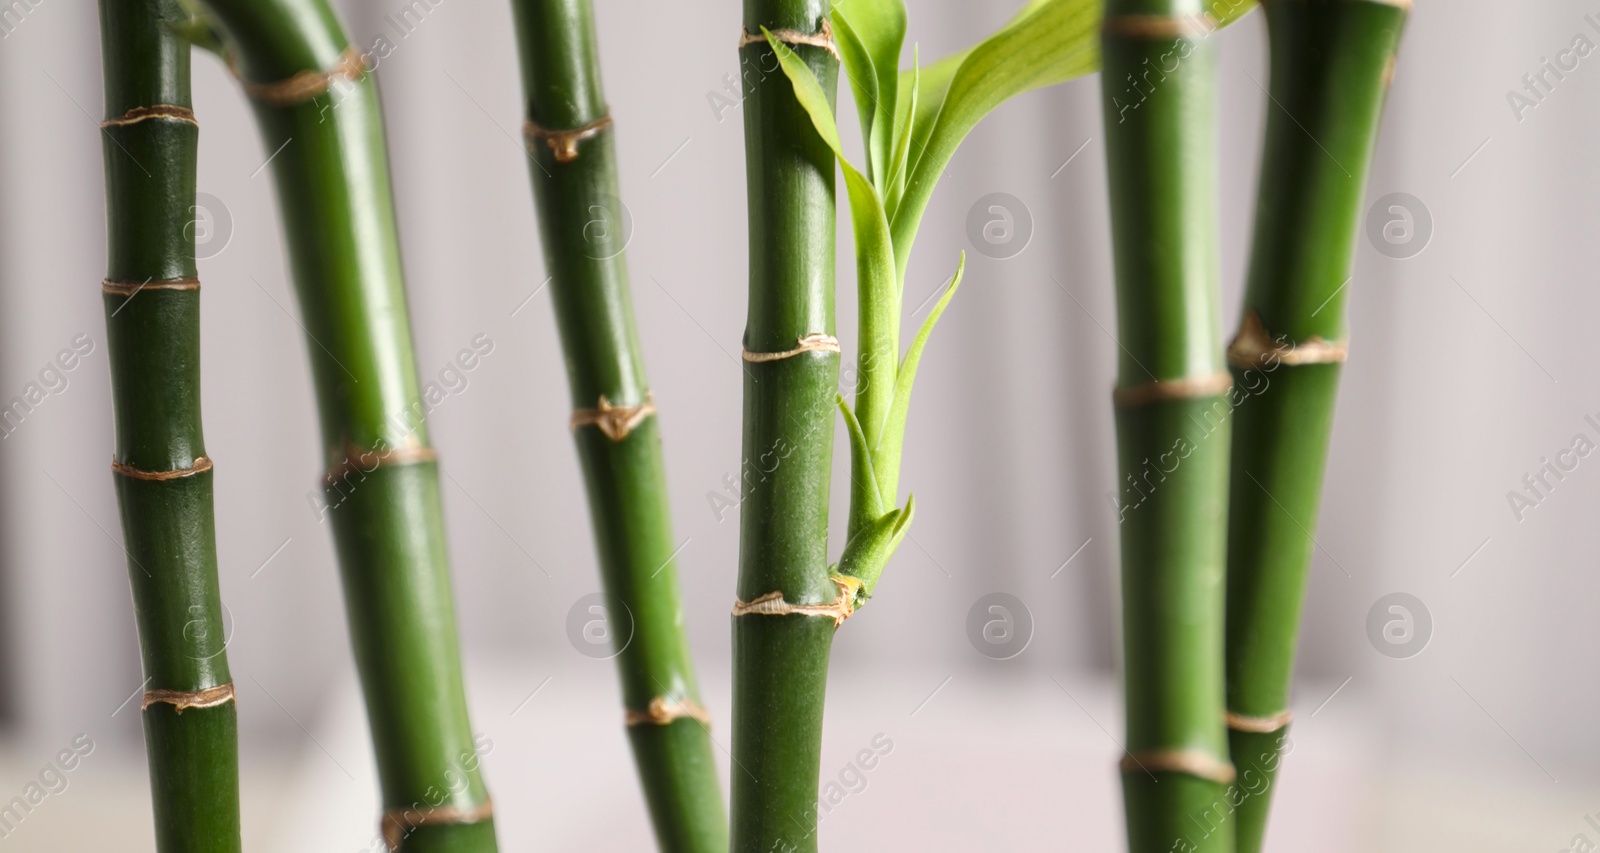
pixel 815 342
pixel 772 604
pixel 615 422
pixel 1191 762
pixel 663 711
pixel 1182 388
pixel 396 824
pixel 1158 27
pixel 1254 347
pixel 365 461
pixel 129 288
pixel 183 700
pixel 169 112
pixel 822 38
pixel 564 143
pixel 307 85
pixel 200 466
pixel 1259 725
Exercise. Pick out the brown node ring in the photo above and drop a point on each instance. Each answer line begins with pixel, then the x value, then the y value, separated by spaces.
pixel 168 112
pixel 1182 388
pixel 815 342
pixel 615 422
pixel 307 85
pixel 396 824
pixel 1190 762
pixel 663 711
pixel 201 465
pixel 183 700
pixel 773 603
pixel 1259 725
pixel 1160 27
pixel 564 143
pixel 1254 346
pixel 130 288
pixel 365 460
pixel 822 38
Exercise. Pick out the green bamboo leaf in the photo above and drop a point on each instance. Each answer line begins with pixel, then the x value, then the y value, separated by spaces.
pixel 866 503
pixel 903 127
pixel 876 30
pixel 876 281
pixel 1048 42
pixel 868 552
pixel 886 456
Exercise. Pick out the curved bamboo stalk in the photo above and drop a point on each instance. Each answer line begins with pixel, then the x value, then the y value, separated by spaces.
pixel 1170 389
pixel 1331 60
pixel 163 476
pixel 319 113
pixel 780 656
pixel 575 184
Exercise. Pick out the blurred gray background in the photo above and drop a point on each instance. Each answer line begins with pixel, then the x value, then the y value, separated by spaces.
pixel 1473 360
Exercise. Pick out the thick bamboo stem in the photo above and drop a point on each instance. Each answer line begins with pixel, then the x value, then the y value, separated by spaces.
pixel 1171 387
pixel 570 139
pixel 163 476
pixel 781 655
pixel 1331 60
pixel 319 116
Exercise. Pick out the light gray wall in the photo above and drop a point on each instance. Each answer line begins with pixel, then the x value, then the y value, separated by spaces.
pixel 1470 362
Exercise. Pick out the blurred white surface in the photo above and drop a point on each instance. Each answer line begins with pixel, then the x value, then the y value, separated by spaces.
pixel 1472 361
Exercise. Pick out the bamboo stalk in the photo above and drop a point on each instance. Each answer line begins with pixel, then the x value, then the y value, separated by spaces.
pixel 791 368
pixel 575 186
pixel 319 114
pixel 163 476
pixel 1170 380
pixel 1331 60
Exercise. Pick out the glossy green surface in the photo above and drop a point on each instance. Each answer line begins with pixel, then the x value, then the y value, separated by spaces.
pixel 332 176
pixel 1329 63
pixel 580 225
pixel 1160 144
pixel 153 339
pixel 781 662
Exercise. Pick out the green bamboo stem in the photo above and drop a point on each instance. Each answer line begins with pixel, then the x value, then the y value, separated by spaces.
pixel 319 116
pixel 575 185
pixel 163 476
pixel 781 659
pixel 1170 380
pixel 1331 60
